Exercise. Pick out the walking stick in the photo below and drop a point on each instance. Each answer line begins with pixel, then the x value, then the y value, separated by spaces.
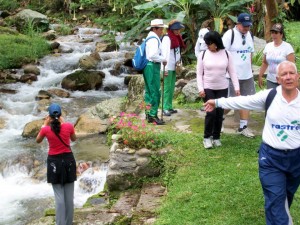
pixel 162 95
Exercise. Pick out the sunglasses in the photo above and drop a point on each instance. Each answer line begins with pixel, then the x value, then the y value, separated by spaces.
pixel 244 39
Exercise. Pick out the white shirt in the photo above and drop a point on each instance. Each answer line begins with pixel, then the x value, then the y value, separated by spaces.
pixel 171 55
pixel 274 56
pixel 200 44
pixel 282 123
pixel 153 48
pixel 241 53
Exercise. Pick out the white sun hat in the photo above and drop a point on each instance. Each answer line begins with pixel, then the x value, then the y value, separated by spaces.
pixel 157 23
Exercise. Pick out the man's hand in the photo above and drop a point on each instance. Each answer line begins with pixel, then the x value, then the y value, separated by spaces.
pixel 260 81
pixel 209 105
pixel 164 62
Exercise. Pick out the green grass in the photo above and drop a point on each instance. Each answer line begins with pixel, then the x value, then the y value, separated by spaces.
pixel 292 30
pixel 214 187
pixel 20 49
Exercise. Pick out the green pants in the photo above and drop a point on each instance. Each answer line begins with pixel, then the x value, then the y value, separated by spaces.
pixel 151 75
pixel 169 86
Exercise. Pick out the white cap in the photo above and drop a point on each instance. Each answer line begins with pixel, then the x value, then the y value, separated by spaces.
pixel 202 32
pixel 157 23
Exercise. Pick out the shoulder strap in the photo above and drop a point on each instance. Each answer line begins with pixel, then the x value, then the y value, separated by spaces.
pixel 232 36
pixel 203 54
pixel 269 99
pixel 152 37
pixel 57 135
pixel 226 54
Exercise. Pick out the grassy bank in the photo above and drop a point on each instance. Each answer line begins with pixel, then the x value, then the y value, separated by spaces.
pixel 214 187
pixel 17 49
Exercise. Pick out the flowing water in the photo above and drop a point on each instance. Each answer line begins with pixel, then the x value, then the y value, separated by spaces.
pixel 23 197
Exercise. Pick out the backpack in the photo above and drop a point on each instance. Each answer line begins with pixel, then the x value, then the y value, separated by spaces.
pixel 139 60
pixel 269 99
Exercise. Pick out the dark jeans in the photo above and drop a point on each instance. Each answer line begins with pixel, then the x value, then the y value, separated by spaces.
pixel 214 119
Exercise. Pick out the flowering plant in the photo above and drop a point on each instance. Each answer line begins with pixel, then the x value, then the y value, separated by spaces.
pixel 135 132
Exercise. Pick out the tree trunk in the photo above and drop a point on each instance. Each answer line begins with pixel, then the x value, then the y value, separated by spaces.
pixel 271 14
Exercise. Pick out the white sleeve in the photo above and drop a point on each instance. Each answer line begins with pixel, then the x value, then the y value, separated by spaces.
pixel 166 45
pixel 227 39
pixel 197 48
pixel 289 49
pixel 251 102
pixel 153 50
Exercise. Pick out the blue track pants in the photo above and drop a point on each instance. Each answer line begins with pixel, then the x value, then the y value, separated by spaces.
pixel 279 173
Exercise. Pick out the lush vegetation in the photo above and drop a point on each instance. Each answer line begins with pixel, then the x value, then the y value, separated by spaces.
pixel 18 50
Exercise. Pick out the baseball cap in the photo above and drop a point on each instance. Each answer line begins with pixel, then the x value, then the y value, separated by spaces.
pixel 54 110
pixel 244 19
pixel 277 27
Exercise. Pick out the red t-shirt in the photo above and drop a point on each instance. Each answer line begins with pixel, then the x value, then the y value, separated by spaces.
pixel 55 145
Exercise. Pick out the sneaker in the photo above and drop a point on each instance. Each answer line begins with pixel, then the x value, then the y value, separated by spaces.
pixel 173 111
pixel 156 120
pixel 246 132
pixel 217 143
pixel 167 113
pixel 222 128
pixel 207 143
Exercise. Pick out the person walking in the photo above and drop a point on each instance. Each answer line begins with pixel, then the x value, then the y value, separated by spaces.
pixel 279 152
pixel 240 44
pixel 212 67
pixel 61 164
pixel 275 52
pixel 200 44
pixel 151 72
pixel 172 44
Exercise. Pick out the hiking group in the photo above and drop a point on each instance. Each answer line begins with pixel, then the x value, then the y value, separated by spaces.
pixel 225 81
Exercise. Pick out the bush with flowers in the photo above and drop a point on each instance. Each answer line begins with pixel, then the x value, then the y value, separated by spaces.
pixel 135 131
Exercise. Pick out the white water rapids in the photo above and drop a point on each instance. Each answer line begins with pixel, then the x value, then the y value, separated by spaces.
pixel 21 196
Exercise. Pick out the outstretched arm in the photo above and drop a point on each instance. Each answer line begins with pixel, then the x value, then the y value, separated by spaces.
pixel 210 105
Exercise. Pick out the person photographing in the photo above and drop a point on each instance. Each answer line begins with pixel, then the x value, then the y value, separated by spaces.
pixel 61 164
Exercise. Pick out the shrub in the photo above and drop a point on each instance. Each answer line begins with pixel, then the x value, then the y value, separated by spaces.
pixel 136 132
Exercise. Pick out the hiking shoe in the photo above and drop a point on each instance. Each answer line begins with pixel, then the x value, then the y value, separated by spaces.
pixel 156 120
pixel 173 111
pixel 246 132
pixel 207 143
pixel 217 143
pixel 167 113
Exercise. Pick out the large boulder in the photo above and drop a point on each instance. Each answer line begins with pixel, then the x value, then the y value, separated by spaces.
pixel 135 94
pixel 88 62
pixel 190 91
pixel 31 129
pixel 37 19
pixel 96 119
pixel 83 80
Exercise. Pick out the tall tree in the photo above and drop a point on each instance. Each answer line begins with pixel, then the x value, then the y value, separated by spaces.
pixel 271 14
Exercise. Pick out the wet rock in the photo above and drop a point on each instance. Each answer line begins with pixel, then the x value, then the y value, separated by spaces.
pixel 54 45
pixel 32 129
pixel 7 91
pixel 88 62
pixel 111 88
pixel 28 78
pixel 95 120
pixel 83 80
pixel 43 95
pixel 31 69
pixel 49 35
pixel 2 122
pixel 135 94
pixel 59 92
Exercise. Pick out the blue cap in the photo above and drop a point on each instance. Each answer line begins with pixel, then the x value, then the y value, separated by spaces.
pixel 176 26
pixel 54 110
pixel 244 19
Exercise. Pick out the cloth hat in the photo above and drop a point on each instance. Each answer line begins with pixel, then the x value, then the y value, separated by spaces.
pixel 54 110
pixel 157 23
pixel 277 27
pixel 245 19
pixel 176 26
pixel 202 32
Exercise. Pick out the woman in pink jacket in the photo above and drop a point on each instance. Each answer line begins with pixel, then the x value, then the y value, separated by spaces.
pixel 213 65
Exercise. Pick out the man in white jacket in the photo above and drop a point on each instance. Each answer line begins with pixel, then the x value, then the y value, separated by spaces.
pixel 279 152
